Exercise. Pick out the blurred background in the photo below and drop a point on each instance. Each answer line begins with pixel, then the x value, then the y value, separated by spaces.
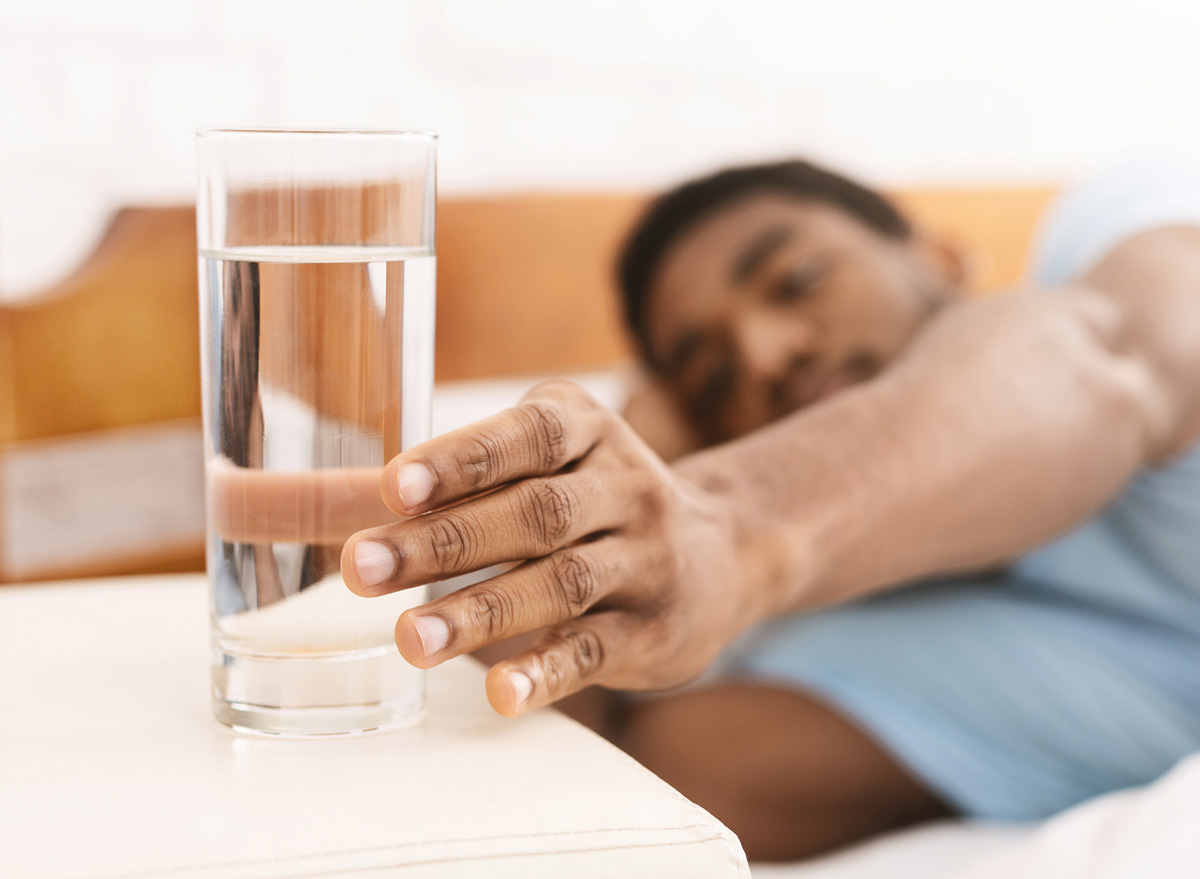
pixel 98 100
pixel 557 120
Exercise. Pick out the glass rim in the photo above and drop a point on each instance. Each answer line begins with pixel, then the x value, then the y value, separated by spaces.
pixel 315 133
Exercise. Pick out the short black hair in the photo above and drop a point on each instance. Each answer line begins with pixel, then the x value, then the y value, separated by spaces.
pixel 681 208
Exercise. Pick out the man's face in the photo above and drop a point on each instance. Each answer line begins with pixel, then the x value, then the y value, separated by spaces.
pixel 772 304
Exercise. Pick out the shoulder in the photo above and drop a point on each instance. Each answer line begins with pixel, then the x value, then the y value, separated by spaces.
pixel 1155 190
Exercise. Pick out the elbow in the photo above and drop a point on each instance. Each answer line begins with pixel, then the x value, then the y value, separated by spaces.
pixel 1119 385
pixel 1131 395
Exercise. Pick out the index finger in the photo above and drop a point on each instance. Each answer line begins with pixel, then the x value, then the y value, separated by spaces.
pixel 556 424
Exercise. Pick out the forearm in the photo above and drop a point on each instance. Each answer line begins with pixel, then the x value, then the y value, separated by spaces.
pixel 1006 423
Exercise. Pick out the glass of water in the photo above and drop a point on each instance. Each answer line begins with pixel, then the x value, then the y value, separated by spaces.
pixel 317 273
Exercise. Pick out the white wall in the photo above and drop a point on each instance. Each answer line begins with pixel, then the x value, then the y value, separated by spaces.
pixel 98 99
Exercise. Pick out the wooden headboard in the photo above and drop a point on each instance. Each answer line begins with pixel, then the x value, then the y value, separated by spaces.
pixel 525 283
pixel 524 286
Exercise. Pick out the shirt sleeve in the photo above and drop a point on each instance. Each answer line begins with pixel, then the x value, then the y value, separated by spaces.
pixel 1092 218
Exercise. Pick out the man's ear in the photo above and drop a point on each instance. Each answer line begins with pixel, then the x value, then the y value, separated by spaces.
pixel 946 257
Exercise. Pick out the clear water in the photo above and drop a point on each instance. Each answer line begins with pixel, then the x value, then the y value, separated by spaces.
pixel 317 369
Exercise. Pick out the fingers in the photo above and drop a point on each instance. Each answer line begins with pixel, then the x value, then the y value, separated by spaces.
pixel 541 593
pixel 529 519
pixel 569 658
pixel 555 425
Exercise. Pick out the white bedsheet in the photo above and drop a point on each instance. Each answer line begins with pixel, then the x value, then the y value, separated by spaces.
pixel 1144 832
pixel 934 851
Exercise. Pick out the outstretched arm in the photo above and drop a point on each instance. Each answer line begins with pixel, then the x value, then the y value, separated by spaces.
pixel 1006 422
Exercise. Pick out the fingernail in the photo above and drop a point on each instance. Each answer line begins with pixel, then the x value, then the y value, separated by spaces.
pixel 434 634
pixel 416 484
pixel 374 562
pixel 522 686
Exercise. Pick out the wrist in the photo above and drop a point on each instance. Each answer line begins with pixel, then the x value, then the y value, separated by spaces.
pixel 805 495
pixel 774 560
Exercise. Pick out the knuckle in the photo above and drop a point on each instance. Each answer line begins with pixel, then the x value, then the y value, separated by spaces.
pixel 485 461
pixel 576 582
pixel 552 510
pixel 548 429
pixel 490 611
pixel 567 391
pixel 585 651
pixel 451 543
pixel 576 654
pixel 673 566
pixel 655 503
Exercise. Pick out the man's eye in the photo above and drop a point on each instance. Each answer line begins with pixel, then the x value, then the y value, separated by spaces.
pixel 798 283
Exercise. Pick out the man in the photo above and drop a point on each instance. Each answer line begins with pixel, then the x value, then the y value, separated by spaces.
pixel 866 428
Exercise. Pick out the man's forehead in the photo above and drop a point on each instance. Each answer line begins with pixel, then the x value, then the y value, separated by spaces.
pixel 709 252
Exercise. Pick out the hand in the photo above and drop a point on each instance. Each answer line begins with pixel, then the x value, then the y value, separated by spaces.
pixel 630 568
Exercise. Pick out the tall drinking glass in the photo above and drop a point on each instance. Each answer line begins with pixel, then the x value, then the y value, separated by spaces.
pixel 317 269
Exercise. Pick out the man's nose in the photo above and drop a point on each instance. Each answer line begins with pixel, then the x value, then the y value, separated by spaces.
pixel 766 345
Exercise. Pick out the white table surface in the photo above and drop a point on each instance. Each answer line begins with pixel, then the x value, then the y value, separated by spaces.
pixel 111 765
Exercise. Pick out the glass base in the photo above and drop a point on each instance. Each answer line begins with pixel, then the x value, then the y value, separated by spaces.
pixel 324 694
